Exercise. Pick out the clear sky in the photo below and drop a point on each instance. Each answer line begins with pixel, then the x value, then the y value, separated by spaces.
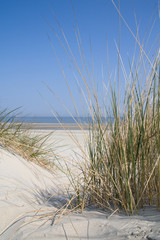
pixel 27 58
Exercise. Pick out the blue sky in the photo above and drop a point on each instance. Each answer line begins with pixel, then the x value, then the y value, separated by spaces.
pixel 27 58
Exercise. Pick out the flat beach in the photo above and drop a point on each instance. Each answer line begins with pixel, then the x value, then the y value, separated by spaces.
pixel 30 197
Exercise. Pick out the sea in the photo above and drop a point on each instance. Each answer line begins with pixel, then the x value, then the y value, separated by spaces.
pixel 54 122
pixel 52 119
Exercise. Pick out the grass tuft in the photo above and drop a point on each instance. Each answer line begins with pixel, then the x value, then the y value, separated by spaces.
pixel 122 169
pixel 124 154
pixel 14 137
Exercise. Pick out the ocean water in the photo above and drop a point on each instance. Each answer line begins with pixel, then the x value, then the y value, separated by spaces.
pixel 53 119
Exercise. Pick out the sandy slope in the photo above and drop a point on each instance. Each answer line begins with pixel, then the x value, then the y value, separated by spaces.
pixel 26 189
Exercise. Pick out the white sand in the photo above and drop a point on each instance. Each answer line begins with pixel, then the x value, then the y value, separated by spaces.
pixel 26 188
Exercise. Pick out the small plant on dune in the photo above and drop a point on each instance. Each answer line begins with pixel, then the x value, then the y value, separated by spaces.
pixel 14 137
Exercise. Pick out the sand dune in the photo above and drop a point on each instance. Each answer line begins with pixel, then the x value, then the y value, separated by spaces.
pixel 26 189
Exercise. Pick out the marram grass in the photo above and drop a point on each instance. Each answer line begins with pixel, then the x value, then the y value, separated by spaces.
pixel 122 169
pixel 19 140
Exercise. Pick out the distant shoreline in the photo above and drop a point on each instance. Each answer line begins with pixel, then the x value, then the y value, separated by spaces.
pixel 55 126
